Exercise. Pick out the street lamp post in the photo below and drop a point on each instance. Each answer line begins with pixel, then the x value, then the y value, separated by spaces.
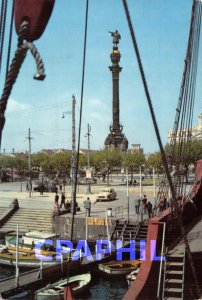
pixel 63 117
pixel 140 179
pixel 154 184
pixel 141 194
pixel 127 193
pixel 29 163
pixel 88 159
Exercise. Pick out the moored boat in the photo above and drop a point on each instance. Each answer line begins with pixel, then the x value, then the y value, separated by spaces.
pixel 27 260
pixel 55 291
pixel 30 239
pixel 119 268
pixel 22 250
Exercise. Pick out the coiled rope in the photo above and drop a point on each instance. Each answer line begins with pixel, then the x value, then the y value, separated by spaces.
pixel 20 54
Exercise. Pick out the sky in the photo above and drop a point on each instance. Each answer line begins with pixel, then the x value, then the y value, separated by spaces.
pixel 161 29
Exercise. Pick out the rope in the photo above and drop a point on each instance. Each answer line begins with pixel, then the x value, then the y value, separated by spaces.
pixel 187 102
pixel 16 64
pixel 80 118
pixel 40 75
pixel 161 147
pixel 3 25
pixel 18 59
pixel 10 39
pixel 148 98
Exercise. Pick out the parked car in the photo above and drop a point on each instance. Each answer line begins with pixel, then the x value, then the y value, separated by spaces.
pixel 106 194
pixel 45 188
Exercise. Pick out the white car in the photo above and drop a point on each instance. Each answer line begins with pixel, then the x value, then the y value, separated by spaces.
pixel 106 195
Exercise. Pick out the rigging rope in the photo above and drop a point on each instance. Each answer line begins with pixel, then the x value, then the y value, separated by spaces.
pixel 80 119
pixel 148 97
pixel 161 146
pixel 17 61
pixel 181 136
pixel 10 39
pixel 2 28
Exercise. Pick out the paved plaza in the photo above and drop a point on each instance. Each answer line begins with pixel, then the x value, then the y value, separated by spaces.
pixel 9 191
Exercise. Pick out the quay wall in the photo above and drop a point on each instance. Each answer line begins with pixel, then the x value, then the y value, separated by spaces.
pixel 89 228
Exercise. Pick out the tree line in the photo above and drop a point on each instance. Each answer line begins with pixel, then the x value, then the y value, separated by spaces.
pixel 103 160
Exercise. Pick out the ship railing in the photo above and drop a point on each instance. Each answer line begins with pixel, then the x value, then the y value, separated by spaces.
pixel 162 261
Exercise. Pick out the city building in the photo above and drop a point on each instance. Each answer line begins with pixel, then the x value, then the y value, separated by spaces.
pixel 195 133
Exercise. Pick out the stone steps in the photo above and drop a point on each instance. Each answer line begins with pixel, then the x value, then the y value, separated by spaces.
pixel 30 219
pixel 2 210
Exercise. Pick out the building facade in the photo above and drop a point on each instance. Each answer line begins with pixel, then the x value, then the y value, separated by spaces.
pixel 194 134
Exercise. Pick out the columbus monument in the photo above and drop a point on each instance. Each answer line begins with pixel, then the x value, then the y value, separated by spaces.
pixel 116 139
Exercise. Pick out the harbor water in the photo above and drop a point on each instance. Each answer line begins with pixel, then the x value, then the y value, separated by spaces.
pixel 101 288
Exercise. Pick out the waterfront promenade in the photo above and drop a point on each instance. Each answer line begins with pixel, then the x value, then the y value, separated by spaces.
pixel 9 191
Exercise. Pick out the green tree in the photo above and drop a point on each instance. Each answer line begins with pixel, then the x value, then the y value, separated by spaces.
pixel 133 161
pixel 111 158
pixel 21 165
pixel 106 159
pixel 184 154
pixel 7 162
pixel 41 162
pixel 82 160
pixel 61 162
pixel 154 160
pixel 97 160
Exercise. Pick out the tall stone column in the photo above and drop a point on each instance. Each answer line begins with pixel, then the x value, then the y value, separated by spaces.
pixel 116 139
pixel 115 107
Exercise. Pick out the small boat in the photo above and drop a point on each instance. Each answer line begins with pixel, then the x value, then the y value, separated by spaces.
pixel 27 260
pixel 30 251
pixel 30 239
pixel 55 291
pixel 119 268
pixel 132 276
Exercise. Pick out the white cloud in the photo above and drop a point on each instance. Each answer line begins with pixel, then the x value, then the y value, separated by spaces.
pixel 14 106
pixel 96 115
pixel 97 103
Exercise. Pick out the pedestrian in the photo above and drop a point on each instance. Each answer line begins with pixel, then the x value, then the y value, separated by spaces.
pixel 60 187
pixel 41 189
pixel 71 206
pixel 87 206
pixel 62 200
pixel 67 206
pixel 137 205
pixel 56 197
pixel 149 209
pixel 56 210
pixel 144 202
pixel 103 177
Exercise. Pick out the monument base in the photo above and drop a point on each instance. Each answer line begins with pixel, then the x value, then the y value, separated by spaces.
pixel 116 139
